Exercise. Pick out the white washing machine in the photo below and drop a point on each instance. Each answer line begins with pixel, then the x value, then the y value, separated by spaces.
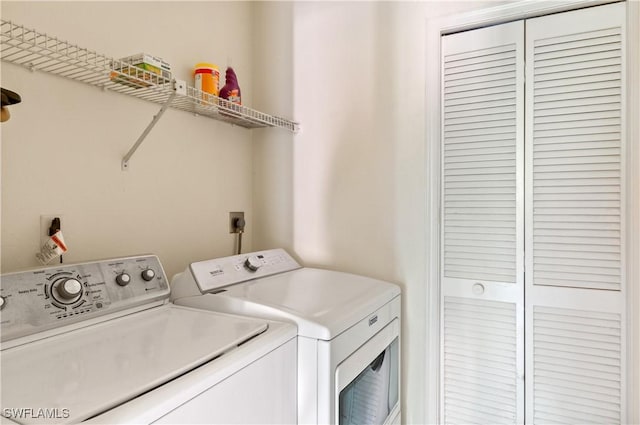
pixel 99 342
pixel 348 329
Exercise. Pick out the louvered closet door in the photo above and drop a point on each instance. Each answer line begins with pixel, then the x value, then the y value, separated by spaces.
pixel 575 291
pixel 482 318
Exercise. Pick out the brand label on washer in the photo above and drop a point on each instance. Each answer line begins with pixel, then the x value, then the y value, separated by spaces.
pixel 216 271
pixel 373 320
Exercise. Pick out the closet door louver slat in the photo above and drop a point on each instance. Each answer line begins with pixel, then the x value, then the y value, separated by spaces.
pixel 479 359
pixel 489 170
pixel 482 239
pixel 577 371
pixel 575 303
pixel 576 184
pixel 575 162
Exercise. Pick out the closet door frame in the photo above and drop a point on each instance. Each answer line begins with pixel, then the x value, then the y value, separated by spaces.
pixel 436 28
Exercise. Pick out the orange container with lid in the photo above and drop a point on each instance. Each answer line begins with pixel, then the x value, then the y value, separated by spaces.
pixel 207 78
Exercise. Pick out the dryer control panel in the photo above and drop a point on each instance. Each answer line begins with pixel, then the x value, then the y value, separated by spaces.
pixel 211 275
pixel 40 299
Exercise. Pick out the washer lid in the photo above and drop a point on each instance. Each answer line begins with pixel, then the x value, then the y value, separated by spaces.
pixel 74 376
pixel 322 303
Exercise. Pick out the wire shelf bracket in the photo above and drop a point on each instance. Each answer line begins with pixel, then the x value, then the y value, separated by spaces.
pixel 154 121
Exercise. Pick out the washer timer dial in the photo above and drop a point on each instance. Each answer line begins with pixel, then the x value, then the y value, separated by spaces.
pixel 67 291
pixel 70 289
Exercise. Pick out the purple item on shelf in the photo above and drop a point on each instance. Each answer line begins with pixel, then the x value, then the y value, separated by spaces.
pixel 231 89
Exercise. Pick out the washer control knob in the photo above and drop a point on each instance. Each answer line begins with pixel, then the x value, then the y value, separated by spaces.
pixel 3 302
pixel 253 263
pixel 69 289
pixel 123 279
pixel 148 274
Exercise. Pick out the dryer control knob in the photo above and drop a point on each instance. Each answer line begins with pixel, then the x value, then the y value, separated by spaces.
pixel 253 263
pixel 148 274
pixel 69 289
pixel 3 302
pixel 123 279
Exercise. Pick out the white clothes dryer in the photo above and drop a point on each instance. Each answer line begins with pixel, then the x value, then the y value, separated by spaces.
pixel 100 342
pixel 348 329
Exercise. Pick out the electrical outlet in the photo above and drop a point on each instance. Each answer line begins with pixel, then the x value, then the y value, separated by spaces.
pixel 45 224
pixel 233 216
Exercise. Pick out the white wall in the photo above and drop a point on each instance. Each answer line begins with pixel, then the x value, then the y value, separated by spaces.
pixel 62 148
pixel 273 149
pixel 357 190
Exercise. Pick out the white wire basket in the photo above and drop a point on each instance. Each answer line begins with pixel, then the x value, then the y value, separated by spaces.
pixel 43 52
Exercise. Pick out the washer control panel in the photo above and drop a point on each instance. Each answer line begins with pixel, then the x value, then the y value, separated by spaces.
pixel 211 275
pixel 40 299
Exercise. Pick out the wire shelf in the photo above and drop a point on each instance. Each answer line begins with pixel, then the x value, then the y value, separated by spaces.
pixel 39 51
